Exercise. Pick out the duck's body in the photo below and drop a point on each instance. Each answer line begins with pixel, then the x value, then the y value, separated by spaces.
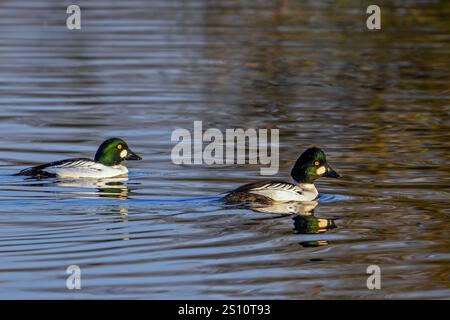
pixel 310 166
pixel 75 168
pixel 270 191
pixel 105 165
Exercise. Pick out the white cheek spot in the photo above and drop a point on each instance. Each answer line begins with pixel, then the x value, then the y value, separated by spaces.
pixel 124 153
pixel 322 223
pixel 321 170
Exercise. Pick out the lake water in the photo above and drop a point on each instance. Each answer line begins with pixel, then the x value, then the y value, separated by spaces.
pixel 377 102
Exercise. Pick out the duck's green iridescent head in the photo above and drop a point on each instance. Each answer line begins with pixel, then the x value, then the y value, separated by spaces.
pixel 312 165
pixel 113 151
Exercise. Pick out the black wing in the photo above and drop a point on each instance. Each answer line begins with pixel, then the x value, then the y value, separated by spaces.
pixel 247 192
pixel 257 185
pixel 39 171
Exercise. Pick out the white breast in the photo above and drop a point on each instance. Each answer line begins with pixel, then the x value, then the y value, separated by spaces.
pixel 286 192
pixel 87 169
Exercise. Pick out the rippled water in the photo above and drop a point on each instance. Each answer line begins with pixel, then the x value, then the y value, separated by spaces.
pixel 376 102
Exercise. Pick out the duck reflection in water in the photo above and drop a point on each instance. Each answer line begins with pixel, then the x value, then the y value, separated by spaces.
pixel 114 188
pixel 305 222
pixel 111 188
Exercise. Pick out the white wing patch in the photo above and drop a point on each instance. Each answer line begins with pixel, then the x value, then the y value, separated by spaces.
pixel 283 192
pixel 75 164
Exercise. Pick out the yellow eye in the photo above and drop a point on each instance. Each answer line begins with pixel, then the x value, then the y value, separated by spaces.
pixel 317 163
pixel 119 147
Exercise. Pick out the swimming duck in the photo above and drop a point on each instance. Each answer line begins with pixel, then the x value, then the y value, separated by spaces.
pixel 106 164
pixel 310 166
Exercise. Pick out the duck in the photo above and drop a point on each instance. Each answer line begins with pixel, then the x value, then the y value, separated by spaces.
pixel 107 163
pixel 310 166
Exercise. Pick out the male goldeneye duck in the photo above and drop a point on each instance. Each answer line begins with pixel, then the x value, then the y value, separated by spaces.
pixel 106 164
pixel 311 165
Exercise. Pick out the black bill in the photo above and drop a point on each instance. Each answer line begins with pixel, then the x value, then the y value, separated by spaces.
pixel 132 156
pixel 330 173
